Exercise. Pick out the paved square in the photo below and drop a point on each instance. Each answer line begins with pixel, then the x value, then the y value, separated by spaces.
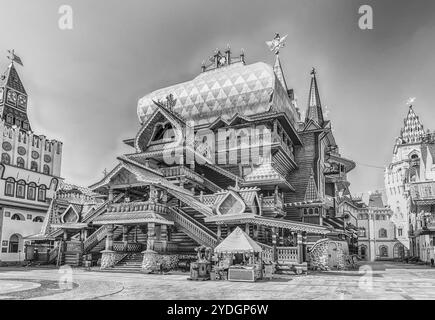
pixel 387 281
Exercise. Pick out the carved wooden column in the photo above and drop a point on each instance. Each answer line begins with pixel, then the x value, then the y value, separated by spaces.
pixel 219 230
pixel 151 233
pixel 247 228
pixel 256 232
pixel 109 238
pixel 164 236
pixel 281 237
pixel 275 253
pixel 300 248
pixel 304 247
pixel 110 194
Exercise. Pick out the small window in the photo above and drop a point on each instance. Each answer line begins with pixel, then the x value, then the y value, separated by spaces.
pixel 29 217
pixel 9 119
pixel 382 233
pixel 9 188
pixel 41 193
pixel 383 251
pixel 20 162
pixel 400 232
pixel 31 191
pixel 25 125
pixel 21 189
pixel 46 169
pixel 33 166
pixel 361 232
pixel 6 159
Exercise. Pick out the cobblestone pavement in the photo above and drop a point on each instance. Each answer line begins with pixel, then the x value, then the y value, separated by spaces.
pixel 386 281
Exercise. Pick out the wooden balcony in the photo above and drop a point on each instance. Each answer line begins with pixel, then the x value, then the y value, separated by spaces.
pixel 138 207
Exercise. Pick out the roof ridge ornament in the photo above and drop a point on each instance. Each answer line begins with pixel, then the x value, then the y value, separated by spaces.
pixel 219 59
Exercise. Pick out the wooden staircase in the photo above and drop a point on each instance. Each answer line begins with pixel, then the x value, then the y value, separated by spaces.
pixel 131 263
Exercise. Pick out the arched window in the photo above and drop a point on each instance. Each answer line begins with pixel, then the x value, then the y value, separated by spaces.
pixel 21 189
pixel 41 193
pixel 20 162
pixel 25 125
pixel 46 169
pixel 382 233
pixel 363 252
pixel 17 216
pixel 38 219
pixel 10 187
pixel 6 158
pixel 14 243
pixel 33 166
pixel 31 191
pixel 383 251
pixel 398 251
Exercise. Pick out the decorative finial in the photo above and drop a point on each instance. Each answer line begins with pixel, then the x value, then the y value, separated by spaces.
pixel 14 58
pixel 277 43
pixel 410 101
pixel 170 102
pixel 313 71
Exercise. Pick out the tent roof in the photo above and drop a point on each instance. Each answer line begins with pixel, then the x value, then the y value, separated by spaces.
pixel 238 242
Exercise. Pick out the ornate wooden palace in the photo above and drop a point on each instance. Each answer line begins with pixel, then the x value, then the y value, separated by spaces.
pixel 227 149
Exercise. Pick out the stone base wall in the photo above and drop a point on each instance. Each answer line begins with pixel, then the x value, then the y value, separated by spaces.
pixel 154 261
pixel 320 252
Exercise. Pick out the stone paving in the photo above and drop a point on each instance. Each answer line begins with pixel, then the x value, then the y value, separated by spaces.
pixel 386 281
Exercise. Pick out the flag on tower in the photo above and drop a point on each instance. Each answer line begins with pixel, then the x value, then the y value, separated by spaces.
pixel 14 58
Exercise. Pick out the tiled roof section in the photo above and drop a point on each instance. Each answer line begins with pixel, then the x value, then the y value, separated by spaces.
pixel 264 172
pixel 238 88
pixel 311 194
pixel 11 79
pixel 412 131
pixel 314 111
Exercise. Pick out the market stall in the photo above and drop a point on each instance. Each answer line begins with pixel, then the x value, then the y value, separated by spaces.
pixel 238 258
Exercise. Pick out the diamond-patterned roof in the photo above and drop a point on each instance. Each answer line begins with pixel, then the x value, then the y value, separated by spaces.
pixel 412 131
pixel 223 92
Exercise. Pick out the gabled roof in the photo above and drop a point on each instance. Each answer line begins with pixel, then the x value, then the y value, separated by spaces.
pixel 413 130
pixel 11 79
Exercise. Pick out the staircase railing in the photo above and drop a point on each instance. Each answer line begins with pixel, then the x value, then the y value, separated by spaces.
pixel 192 202
pixel 102 208
pixel 267 253
pixel 53 253
pixel 194 229
pixel 95 238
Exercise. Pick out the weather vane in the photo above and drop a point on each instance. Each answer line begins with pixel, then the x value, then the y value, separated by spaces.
pixel 14 58
pixel 277 43
pixel 410 101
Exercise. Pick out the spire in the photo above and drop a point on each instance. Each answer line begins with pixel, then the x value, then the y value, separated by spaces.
pixel 314 111
pixel 412 131
pixel 279 73
pixel 11 79
pixel 275 45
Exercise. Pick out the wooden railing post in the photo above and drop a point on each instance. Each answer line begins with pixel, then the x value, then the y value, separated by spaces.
pixel 275 254
pixel 300 248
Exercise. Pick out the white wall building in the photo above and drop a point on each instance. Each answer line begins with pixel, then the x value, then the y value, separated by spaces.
pixel 29 170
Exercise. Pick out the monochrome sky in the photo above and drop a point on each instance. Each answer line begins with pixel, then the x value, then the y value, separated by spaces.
pixel 84 83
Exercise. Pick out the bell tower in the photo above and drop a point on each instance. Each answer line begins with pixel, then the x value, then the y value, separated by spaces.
pixel 13 96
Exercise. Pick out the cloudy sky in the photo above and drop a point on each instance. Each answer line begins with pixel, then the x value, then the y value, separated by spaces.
pixel 84 83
